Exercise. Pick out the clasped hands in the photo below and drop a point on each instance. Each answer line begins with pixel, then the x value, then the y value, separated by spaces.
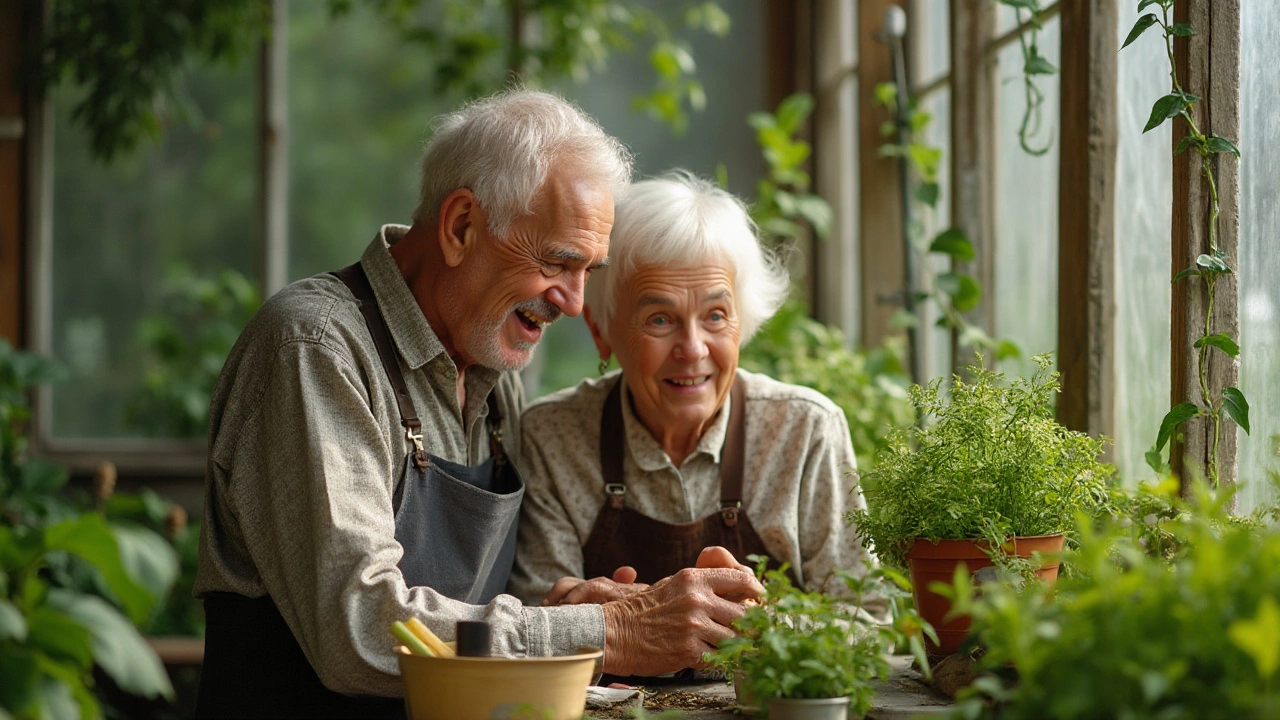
pixel 653 629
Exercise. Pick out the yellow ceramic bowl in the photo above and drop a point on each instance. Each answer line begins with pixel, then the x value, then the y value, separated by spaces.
pixel 495 688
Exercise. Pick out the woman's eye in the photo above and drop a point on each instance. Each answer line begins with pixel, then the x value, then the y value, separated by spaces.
pixel 660 321
pixel 716 316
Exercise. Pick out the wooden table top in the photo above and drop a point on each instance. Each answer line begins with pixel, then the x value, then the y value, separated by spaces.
pixel 905 695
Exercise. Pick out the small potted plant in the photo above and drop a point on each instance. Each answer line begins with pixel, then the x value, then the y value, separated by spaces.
pixel 988 472
pixel 808 656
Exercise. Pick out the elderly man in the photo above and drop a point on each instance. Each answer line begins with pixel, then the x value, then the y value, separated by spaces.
pixel 363 430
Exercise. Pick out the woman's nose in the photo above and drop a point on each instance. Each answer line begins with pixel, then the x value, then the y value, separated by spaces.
pixel 692 345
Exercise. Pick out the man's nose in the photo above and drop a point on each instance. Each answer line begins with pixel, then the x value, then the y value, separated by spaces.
pixel 568 293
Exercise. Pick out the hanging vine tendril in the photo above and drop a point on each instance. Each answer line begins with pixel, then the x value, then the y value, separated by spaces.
pixel 1033 65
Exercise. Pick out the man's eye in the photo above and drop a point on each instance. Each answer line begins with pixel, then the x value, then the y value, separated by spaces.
pixel 551 269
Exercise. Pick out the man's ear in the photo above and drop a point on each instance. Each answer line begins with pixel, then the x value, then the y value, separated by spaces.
pixel 606 351
pixel 461 220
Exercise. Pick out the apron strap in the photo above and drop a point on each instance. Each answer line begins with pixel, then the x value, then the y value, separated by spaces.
pixel 613 447
pixel 354 277
pixel 733 456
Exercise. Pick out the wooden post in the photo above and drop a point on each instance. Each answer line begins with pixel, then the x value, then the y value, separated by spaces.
pixel 13 148
pixel 1209 66
pixel 880 214
pixel 1086 217
pixel 973 132
pixel 273 165
pixel 835 137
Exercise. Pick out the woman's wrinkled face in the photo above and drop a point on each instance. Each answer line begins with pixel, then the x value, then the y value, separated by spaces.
pixel 675 332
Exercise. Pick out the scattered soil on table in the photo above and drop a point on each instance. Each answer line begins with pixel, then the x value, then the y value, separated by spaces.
pixel 673 700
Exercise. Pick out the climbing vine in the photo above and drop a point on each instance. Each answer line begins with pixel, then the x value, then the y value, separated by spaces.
pixel 1211 265
pixel 1034 65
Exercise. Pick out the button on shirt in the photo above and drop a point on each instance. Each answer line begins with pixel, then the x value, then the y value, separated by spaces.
pixel 799 480
pixel 305 451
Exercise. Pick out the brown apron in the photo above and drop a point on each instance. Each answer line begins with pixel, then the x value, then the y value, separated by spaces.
pixel 624 536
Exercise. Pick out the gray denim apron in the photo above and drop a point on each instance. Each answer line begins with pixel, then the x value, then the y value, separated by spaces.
pixel 457 525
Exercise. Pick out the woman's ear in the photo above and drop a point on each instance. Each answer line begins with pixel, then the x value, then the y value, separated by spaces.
pixel 461 219
pixel 597 336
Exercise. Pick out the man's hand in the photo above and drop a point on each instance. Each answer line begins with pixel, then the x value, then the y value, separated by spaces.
pixel 576 591
pixel 670 626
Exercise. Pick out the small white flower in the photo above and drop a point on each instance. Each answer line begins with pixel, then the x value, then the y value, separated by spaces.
pixel 1142 541
pixel 1151 519
pixel 1125 522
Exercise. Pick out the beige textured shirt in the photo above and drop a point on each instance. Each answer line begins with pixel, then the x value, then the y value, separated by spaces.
pixel 798 480
pixel 305 450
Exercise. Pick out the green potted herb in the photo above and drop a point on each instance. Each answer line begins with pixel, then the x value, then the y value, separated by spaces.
pixel 988 472
pixel 807 655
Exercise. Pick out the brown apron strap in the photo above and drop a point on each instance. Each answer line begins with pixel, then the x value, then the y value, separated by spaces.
pixel 354 277
pixel 733 456
pixel 613 438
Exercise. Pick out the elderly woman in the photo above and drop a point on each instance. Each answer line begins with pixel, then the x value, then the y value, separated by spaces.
pixel 682 450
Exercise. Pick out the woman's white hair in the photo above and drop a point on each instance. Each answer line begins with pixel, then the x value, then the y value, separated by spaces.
pixel 681 220
pixel 502 147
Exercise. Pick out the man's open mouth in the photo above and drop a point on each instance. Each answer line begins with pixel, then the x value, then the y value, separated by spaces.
pixel 531 321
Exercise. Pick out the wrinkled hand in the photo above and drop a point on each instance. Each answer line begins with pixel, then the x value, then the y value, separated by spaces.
pixel 670 625
pixel 576 591
pixel 716 556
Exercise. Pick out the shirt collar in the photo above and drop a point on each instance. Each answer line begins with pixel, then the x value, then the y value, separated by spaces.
pixel 648 453
pixel 412 334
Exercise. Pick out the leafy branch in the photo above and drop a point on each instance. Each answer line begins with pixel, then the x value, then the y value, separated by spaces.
pixel 952 292
pixel 1210 266
pixel 1033 65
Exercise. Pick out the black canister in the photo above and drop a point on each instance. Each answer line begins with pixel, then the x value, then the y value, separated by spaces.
pixel 473 638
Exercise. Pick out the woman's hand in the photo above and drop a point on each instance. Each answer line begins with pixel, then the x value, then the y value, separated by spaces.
pixel 716 556
pixel 576 591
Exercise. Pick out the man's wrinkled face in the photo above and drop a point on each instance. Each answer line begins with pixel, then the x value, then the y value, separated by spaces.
pixel 515 285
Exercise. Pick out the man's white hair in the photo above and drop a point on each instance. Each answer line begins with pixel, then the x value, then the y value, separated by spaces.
pixel 679 220
pixel 502 147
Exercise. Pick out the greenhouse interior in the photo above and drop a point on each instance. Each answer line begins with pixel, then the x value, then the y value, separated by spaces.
pixel 902 358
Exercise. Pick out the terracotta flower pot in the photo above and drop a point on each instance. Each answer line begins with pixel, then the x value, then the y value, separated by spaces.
pixel 930 562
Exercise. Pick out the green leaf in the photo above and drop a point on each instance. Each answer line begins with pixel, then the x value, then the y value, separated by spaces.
pixel 816 210
pixel 1212 263
pixel 1182 30
pixel 73 677
pixel 1185 143
pixel 1185 273
pixel 1039 65
pixel 1220 341
pixel 1237 407
pixel 1148 3
pixel 1144 22
pixel 21 674
pixel 969 296
pixel 926 159
pixel 1219 144
pixel 1259 637
pixel 1178 415
pixel 1007 349
pixel 60 636
pixel 89 538
pixel 949 282
pixel 1155 461
pixel 927 193
pixel 887 94
pixel 793 110
pixel 953 242
pixel 57 700
pixel 117 647
pixel 12 624
pixel 148 559
pixel 1165 108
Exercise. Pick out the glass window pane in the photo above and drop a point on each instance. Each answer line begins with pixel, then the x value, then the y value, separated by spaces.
pixel 1144 196
pixel 731 69
pixel 1026 282
pixel 1259 262
pixel 360 109
pixel 127 239
pixel 935 342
